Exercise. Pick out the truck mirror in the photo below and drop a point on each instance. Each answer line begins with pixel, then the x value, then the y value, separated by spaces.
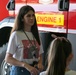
pixel 63 5
pixel 11 5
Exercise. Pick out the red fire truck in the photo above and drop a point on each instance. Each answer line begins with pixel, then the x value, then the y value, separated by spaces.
pixel 53 17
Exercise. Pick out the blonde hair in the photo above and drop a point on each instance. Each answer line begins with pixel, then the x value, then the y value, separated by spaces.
pixel 59 50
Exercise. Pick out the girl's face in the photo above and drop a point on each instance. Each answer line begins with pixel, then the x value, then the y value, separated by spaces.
pixel 29 18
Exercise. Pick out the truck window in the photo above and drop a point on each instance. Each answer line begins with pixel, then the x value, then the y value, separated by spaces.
pixel 11 5
pixel 63 5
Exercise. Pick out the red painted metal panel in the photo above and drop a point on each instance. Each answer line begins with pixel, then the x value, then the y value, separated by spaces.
pixel 54 20
pixel 72 17
pixel 3 10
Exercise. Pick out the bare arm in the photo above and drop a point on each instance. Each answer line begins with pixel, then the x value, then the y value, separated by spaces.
pixel 40 59
pixel 9 59
pixel 40 65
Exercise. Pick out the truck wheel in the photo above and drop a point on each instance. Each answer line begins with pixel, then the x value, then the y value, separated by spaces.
pixel 5 68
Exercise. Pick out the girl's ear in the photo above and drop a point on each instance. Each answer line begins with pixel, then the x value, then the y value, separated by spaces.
pixel 69 59
pixel 71 56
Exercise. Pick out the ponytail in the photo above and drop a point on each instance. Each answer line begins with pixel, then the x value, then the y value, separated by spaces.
pixel 57 56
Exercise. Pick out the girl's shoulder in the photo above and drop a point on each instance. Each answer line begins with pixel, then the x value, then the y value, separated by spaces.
pixel 43 73
pixel 71 72
pixel 17 32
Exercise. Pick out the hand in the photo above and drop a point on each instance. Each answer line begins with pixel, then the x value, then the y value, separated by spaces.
pixel 33 70
pixel 40 67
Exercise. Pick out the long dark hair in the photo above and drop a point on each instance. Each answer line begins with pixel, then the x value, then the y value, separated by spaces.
pixel 19 24
pixel 58 53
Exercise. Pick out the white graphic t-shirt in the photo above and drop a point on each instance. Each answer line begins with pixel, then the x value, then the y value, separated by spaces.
pixel 22 49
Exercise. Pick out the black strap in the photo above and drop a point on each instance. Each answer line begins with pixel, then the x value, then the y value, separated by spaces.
pixel 29 39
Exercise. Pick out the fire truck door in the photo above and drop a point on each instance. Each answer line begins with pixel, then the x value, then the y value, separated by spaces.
pixel 63 7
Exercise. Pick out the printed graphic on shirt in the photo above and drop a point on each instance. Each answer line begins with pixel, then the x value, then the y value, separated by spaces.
pixel 30 52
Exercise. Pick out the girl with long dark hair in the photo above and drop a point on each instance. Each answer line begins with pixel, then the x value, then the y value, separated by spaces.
pixel 25 50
